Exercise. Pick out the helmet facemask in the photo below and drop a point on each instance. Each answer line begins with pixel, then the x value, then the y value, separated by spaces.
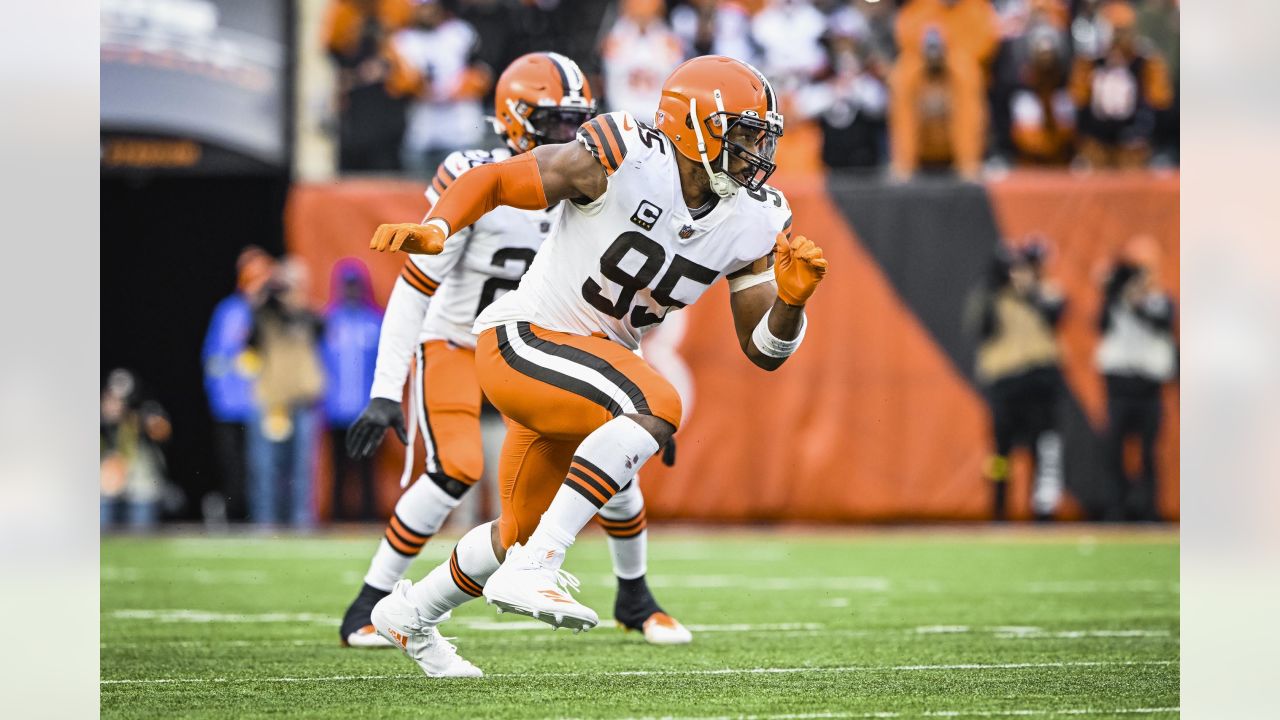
pixel 547 124
pixel 732 130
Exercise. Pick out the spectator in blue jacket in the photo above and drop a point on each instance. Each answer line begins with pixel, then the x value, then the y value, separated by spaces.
pixel 228 384
pixel 350 348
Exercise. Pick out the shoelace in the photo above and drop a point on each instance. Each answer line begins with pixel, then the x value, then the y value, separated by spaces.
pixel 567 581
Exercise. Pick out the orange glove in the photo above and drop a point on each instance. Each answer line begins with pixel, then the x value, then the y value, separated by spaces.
pixel 409 237
pixel 798 267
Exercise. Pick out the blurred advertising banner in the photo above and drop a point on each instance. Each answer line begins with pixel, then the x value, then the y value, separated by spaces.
pixel 194 85
pixel 879 416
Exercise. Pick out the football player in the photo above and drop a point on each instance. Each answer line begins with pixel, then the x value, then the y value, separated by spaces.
pixel 656 215
pixel 542 98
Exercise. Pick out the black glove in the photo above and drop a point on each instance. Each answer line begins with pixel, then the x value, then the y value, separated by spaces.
pixel 669 453
pixel 365 435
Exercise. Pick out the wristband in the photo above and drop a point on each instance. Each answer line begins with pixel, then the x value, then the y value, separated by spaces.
pixel 770 345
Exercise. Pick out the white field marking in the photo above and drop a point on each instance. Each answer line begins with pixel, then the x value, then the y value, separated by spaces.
pixel 486 625
pixel 666 673
pixel 208 616
pixel 1079 634
pixel 1100 586
pixel 113 573
pixel 746 582
pixel 1021 632
pixel 219 643
pixel 839 602
pixel 1068 712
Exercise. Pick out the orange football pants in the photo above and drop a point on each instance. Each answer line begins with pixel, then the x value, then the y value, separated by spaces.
pixel 556 388
pixel 449 410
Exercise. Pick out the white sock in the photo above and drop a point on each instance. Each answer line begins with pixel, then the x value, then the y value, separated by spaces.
pixel 623 519
pixel 604 460
pixel 419 513
pixel 460 578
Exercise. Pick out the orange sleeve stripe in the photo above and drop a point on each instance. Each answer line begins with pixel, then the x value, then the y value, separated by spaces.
pixel 417 284
pixel 445 177
pixel 420 274
pixel 610 131
pixel 437 185
pixel 602 151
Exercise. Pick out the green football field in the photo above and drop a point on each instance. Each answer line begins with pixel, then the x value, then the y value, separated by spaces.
pixel 1075 622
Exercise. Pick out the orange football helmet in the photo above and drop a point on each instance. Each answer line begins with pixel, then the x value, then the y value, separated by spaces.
pixel 710 107
pixel 541 98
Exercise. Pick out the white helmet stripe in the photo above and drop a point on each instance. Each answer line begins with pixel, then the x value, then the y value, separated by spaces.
pixel 570 74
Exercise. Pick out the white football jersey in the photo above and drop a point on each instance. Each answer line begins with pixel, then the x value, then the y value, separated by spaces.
pixel 437 297
pixel 482 262
pixel 618 264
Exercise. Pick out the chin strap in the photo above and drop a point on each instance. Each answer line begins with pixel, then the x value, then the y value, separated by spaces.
pixel 721 184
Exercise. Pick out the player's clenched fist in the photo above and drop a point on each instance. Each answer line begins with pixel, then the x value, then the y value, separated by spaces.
pixel 409 237
pixel 798 267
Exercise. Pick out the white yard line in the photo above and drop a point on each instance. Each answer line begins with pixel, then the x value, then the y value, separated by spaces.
pixel 666 673
pixel 1071 712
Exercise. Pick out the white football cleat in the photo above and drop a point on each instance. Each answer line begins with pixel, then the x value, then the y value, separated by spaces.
pixel 662 629
pixel 531 583
pixel 397 619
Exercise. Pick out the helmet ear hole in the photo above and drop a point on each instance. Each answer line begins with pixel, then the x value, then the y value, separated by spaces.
pixel 688 121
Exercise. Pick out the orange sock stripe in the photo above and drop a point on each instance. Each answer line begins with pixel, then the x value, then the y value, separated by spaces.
pixel 399 545
pixel 464 583
pixel 410 535
pixel 596 474
pixel 626 534
pixel 638 518
pixel 585 491
pixel 585 481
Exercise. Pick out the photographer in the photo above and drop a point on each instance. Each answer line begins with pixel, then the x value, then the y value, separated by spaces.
pixel 282 439
pixel 1137 356
pixel 1015 314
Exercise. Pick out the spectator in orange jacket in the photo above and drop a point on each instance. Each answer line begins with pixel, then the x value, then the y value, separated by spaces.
pixel 1118 92
pixel 373 81
pixel 970 27
pixel 937 113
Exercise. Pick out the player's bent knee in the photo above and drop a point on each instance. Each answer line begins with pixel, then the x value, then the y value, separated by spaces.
pixel 660 429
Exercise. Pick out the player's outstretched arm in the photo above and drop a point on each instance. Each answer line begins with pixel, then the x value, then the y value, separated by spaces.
pixel 769 316
pixel 532 181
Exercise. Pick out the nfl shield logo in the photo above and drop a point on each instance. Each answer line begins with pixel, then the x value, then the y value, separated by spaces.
pixel 686 232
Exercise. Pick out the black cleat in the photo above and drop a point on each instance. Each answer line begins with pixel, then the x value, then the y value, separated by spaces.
pixel 636 609
pixel 357 627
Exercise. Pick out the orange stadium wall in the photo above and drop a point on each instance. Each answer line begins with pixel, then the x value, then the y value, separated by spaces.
pixel 877 418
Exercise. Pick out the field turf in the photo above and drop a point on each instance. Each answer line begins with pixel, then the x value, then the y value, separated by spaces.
pixel 1078 622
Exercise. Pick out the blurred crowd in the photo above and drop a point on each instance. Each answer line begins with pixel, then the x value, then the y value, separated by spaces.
pixel 951 86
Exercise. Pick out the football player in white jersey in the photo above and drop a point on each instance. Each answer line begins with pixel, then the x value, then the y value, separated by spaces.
pixel 655 216
pixel 541 98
